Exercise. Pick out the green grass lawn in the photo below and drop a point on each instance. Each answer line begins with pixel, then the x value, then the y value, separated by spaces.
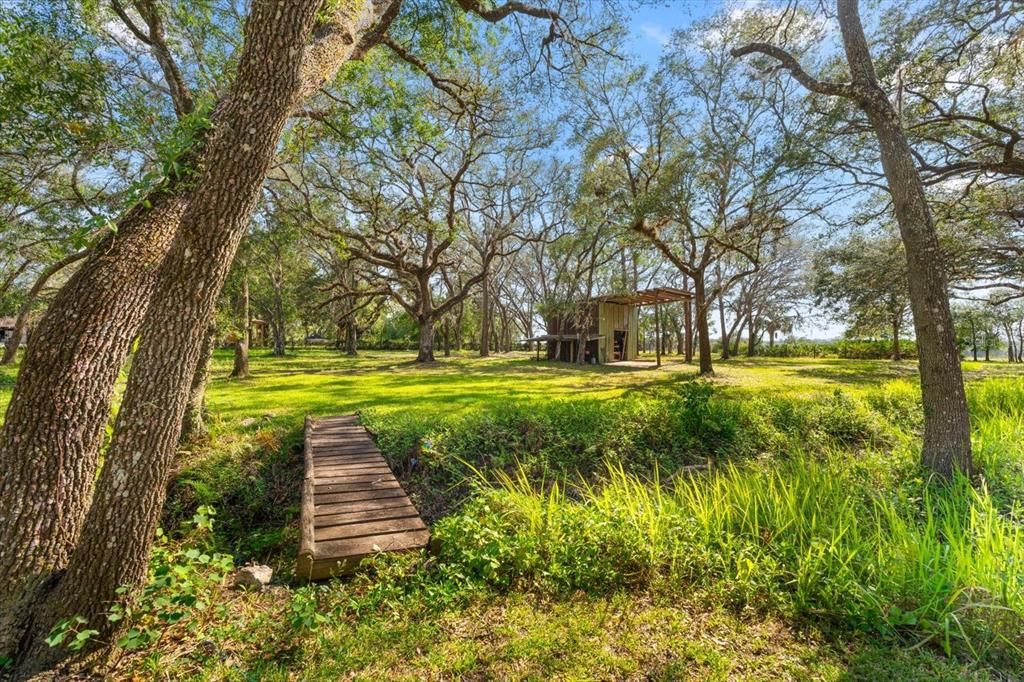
pixel 540 616
pixel 322 382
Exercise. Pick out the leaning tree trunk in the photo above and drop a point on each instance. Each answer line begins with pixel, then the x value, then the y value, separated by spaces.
pixel 947 434
pixel 118 532
pixel 193 426
pixel 21 323
pixel 49 442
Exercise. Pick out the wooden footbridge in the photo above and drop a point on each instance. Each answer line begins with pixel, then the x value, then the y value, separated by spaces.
pixel 352 504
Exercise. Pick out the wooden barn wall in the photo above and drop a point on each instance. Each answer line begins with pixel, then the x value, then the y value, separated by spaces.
pixel 614 316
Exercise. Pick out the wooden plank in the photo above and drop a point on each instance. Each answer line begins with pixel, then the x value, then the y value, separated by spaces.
pixel 320 453
pixel 361 547
pixel 353 477
pixel 334 567
pixel 370 529
pixel 337 460
pixel 350 446
pixel 328 462
pixel 366 451
pixel 338 498
pixel 356 487
pixel 361 505
pixel 335 470
pixel 375 513
pixel 360 476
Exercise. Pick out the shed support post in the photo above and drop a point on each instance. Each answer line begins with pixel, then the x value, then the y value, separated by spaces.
pixel 657 331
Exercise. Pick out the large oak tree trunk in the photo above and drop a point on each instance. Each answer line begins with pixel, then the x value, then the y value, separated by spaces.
pixel 897 352
pixel 703 332
pixel 426 343
pixel 49 442
pixel 485 318
pixel 118 531
pixel 947 435
pixel 240 369
pixel 193 427
pixel 351 339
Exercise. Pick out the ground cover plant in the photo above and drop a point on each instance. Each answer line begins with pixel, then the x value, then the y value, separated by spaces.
pixel 813 547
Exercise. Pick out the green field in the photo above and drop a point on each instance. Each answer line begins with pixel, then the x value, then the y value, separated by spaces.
pixel 814 550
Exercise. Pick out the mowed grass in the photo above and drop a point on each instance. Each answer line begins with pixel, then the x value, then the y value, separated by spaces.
pixel 325 382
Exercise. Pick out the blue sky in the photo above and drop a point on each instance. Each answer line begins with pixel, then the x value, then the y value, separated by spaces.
pixel 652 25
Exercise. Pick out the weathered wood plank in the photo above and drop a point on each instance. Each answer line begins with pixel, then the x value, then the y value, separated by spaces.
pixel 341 470
pixel 361 547
pixel 337 498
pixel 360 476
pixel 360 486
pixel 375 513
pixel 369 528
pixel 361 505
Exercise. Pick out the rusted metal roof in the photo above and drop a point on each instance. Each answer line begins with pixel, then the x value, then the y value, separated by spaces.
pixel 647 296
pixel 562 337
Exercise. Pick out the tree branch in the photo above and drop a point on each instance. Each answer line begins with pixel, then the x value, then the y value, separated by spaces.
pixel 788 62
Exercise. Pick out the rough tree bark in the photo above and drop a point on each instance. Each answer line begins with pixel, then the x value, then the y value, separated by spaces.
pixel 21 323
pixel 426 344
pixel 688 330
pixel 700 302
pixel 897 352
pixel 49 442
pixel 947 436
pixel 193 426
pixel 118 532
pixel 726 341
pixel 485 318
pixel 240 370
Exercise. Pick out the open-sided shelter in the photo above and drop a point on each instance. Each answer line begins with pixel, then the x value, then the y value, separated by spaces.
pixel 607 325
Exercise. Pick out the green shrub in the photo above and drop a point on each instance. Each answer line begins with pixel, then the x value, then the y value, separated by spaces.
pixel 797 349
pixel 874 349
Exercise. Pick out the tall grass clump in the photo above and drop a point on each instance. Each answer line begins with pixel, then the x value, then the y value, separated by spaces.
pixel 557 438
pixel 997 421
pixel 808 536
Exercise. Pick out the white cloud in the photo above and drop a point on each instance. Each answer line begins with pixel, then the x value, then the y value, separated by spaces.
pixel 656 33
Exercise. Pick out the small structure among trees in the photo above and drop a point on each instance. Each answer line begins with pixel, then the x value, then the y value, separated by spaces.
pixel 603 329
pixel 7 327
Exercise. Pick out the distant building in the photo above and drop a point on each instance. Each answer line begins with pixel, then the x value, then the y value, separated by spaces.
pixel 6 328
pixel 608 325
